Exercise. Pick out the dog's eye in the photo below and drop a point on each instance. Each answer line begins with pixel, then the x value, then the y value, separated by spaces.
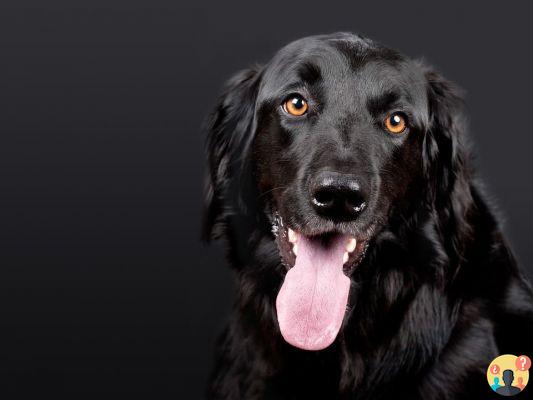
pixel 295 105
pixel 396 123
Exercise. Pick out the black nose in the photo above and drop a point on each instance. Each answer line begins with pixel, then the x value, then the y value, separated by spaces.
pixel 337 196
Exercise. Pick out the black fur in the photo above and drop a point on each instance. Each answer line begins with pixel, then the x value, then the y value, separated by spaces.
pixel 438 293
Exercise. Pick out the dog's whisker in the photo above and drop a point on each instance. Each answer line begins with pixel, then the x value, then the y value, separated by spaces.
pixel 270 191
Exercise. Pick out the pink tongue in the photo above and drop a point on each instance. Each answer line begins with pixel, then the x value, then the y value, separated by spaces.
pixel 312 301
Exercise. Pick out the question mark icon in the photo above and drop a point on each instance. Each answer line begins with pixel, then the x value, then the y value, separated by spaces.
pixel 495 369
pixel 523 363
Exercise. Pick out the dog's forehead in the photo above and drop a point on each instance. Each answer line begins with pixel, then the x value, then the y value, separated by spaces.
pixel 343 61
pixel 288 63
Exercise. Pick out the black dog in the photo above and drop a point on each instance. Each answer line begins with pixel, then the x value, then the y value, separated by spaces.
pixel 369 264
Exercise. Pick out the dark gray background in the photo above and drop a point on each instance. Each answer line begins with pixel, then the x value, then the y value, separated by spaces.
pixel 104 286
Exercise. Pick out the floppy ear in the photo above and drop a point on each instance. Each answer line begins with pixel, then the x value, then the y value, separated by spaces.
pixel 446 158
pixel 444 154
pixel 228 176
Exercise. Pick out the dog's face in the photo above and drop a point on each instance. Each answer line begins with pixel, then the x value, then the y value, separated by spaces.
pixel 338 137
pixel 328 142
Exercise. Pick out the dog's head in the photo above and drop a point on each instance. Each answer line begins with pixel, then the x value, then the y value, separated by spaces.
pixel 325 145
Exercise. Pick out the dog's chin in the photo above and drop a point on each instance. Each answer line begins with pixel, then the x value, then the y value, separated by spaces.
pixel 313 299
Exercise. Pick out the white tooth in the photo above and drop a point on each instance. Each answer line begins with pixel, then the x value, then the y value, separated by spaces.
pixel 293 238
pixel 345 258
pixel 295 249
pixel 350 246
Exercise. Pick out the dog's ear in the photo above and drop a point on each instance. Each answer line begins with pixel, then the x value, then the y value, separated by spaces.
pixel 446 159
pixel 445 152
pixel 229 134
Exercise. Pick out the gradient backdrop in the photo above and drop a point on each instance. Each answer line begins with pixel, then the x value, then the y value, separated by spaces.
pixel 104 286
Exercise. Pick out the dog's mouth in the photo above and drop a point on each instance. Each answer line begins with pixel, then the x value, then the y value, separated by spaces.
pixel 313 298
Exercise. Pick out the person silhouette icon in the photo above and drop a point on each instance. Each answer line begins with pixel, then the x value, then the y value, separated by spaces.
pixel 496 383
pixel 520 384
pixel 508 390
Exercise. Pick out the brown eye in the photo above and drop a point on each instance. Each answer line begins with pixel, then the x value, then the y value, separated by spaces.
pixel 396 123
pixel 295 105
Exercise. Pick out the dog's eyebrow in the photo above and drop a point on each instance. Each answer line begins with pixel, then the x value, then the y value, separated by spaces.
pixel 309 72
pixel 382 102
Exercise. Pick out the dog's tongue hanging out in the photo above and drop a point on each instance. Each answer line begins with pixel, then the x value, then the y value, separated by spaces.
pixel 312 301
